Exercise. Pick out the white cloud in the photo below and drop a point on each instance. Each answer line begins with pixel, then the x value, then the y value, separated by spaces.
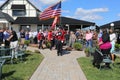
pixel 65 11
pixel 46 3
pixel 49 2
pixel 92 17
pixel 90 14
pixel 119 14
pixel 70 16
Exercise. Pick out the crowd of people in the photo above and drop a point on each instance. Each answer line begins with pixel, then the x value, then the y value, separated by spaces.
pixel 105 38
pixel 9 38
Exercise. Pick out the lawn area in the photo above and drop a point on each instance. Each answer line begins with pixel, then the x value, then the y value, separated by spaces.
pixel 93 73
pixel 22 70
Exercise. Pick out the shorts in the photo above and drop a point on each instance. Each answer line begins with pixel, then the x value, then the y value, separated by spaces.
pixel 112 48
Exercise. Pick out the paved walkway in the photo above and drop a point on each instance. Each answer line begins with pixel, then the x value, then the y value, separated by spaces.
pixel 55 67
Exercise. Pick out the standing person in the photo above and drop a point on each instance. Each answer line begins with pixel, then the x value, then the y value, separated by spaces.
pixel 118 38
pixel 72 39
pixel 63 35
pixel 67 37
pixel 27 35
pixel 88 38
pixel 59 42
pixel 13 41
pixel 95 36
pixel 99 35
pixel 35 37
pixel 77 33
pixel 50 38
pixel 40 39
pixel 1 36
pixel 22 37
pixel 113 41
pixel 6 36
pixel 31 36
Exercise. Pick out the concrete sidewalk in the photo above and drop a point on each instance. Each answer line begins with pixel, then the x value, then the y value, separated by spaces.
pixel 55 67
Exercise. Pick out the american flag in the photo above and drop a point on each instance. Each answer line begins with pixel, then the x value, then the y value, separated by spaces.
pixel 51 11
pixel 54 22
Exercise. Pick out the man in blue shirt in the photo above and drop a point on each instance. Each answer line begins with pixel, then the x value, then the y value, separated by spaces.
pixel 6 36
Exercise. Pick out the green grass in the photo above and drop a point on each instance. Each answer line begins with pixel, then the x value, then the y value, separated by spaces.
pixel 22 70
pixel 93 73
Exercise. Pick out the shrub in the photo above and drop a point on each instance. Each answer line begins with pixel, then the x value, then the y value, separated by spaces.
pixel 27 42
pixel 117 46
pixel 48 44
pixel 87 52
pixel 77 46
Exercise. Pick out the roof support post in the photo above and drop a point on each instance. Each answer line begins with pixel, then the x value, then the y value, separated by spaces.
pixel 68 26
pixel 42 27
pixel 81 27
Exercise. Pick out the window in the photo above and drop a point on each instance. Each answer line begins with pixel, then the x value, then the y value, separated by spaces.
pixel 19 12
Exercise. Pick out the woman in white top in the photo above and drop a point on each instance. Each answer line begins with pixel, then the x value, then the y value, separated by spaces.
pixel 113 41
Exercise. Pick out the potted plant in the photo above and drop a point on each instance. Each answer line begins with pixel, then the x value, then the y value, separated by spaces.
pixel 48 44
pixel 87 52
pixel 77 46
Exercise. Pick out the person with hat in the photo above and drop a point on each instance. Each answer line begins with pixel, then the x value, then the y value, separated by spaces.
pixel 60 41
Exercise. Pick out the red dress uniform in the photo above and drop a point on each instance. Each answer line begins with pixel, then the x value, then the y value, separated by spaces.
pixel 50 36
pixel 39 37
pixel 63 35
pixel 59 43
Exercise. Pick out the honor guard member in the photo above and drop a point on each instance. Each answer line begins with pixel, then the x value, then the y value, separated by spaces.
pixel 59 42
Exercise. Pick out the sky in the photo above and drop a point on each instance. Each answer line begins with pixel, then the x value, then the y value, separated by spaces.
pixel 99 11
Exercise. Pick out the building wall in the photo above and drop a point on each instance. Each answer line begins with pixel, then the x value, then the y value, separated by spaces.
pixel 30 10
pixel 4 23
pixel 34 27
pixel 15 27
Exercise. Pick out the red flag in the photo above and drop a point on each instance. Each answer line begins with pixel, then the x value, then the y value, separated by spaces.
pixel 54 22
pixel 51 11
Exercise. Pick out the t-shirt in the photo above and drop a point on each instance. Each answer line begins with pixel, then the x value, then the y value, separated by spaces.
pixel 113 37
pixel 105 37
pixel 14 38
pixel 22 34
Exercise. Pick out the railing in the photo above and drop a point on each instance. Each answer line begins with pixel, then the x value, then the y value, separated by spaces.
pixel 6 53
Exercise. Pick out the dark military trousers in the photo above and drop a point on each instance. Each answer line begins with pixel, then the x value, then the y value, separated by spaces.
pixel 59 48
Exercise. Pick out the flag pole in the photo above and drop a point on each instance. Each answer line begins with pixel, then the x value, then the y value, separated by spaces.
pixel 60 15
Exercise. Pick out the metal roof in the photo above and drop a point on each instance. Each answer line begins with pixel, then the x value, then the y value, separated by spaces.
pixel 6 16
pixel 63 21
pixel 116 24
